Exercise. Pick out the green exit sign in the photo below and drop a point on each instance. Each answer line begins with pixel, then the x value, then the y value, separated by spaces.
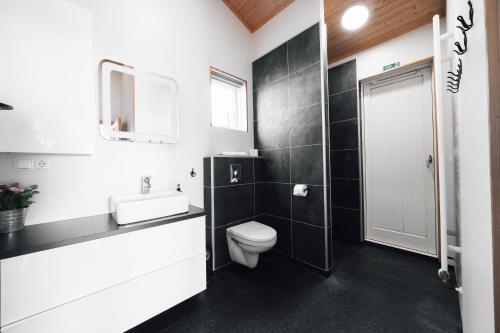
pixel 391 66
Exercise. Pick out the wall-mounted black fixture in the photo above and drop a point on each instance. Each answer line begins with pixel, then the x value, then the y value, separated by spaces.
pixel 192 173
pixel 4 106
pixel 453 84
pixel 464 27
pixel 467 26
pixel 454 79
pixel 461 50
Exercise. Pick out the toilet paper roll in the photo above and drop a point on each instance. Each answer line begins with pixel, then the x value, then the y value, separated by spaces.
pixel 300 190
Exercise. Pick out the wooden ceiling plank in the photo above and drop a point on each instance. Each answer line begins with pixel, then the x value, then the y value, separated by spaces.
pixel 349 52
pixel 377 21
pixel 352 49
pixel 372 27
pixel 255 13
pixel 385 12
pixel 276 7
pixel 381 27
pixel 388 19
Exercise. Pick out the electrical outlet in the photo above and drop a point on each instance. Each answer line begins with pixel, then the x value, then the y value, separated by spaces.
pixel 24 164
pixel 41 164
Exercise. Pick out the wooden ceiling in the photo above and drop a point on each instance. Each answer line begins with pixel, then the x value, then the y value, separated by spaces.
pixel 255 13
pixel 388 19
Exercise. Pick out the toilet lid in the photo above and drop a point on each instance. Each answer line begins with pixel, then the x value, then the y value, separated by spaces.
pixel 253 231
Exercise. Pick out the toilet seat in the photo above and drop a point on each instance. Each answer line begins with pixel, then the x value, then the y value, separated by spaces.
pixel 253 233
pixel 246 241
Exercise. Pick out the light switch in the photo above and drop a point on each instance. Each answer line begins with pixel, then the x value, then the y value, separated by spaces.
pixel 24 164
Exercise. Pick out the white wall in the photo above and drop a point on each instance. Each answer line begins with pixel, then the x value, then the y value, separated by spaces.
pixel 35 48
pixel 177 38
pixel 410 47
pixel 474 194
pixel 297 17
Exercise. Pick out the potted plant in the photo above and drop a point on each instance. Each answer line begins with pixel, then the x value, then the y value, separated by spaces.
pixel 14 203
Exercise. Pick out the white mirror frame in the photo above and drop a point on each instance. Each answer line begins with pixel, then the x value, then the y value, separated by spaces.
pixel 106 129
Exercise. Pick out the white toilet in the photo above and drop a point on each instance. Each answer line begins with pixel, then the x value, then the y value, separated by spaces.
pixel 246 241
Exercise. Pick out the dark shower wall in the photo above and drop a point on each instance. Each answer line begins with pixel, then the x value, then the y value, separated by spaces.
pixel 289 119
pixel 345 170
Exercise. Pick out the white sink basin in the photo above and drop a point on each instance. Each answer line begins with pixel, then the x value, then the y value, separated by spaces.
pixel 141 207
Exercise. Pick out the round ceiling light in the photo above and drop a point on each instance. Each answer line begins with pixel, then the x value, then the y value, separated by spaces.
pixel 355 17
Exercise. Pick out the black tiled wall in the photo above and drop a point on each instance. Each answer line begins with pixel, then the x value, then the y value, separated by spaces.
pixel 288 134
pixel 344 152
pixel 233 203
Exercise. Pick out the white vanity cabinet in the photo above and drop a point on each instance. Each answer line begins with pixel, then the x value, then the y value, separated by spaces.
pixel 109 284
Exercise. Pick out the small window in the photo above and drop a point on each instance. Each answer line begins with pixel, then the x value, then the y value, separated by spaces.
pixel 229 100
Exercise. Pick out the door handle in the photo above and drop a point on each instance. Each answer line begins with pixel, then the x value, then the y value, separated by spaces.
pixel 429 160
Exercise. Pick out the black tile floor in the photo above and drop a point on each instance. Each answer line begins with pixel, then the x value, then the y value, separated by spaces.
pixel 370 290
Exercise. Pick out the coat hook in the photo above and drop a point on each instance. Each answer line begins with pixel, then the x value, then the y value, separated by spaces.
pixel 4 106
pixel 459 70
pixel 193 173
pixel 461 19
pixel 461 50
pixel 453 84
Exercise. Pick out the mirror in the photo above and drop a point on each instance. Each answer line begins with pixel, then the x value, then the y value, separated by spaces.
pixel 137 105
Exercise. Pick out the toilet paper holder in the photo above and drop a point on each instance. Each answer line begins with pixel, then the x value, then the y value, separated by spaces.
pixel 300 190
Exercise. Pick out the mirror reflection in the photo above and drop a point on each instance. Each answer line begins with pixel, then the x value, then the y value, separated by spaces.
pixel 138 106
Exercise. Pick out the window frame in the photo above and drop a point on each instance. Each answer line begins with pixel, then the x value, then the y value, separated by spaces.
pixel 244 86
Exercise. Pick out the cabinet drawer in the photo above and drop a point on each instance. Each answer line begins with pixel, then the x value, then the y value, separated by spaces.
pixel 37 282
pixel 124 306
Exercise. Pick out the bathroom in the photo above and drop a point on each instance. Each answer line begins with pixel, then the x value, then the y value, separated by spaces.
pixel 265 197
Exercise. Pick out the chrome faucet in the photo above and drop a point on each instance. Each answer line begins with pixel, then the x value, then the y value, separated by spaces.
pixel 146 184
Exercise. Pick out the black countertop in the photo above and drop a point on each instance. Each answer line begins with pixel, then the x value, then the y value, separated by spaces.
pixel 45 236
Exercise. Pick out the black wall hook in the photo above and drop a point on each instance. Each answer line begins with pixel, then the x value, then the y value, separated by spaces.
pixel 461 50
pixel 453 84
pixel 454 79
pixel 4 106
pixel 460 18
pixel 192 173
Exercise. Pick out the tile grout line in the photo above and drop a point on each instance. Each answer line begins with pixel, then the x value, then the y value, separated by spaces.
pixel 342 121
pixel 271 83
pixel 233 185
pixel 341 92
pixel 348 208
pixel 273 182
pixel 303 146
pixel 303 68
pixel 288 72
pixel 292 221
pixel 344 149
pixel 237 221
pixel 309 224
pixel 294 109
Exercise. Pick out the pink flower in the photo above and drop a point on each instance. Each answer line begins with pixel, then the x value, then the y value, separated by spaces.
pixel 16 189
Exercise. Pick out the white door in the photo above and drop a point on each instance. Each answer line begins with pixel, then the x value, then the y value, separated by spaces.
pixel 399 162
